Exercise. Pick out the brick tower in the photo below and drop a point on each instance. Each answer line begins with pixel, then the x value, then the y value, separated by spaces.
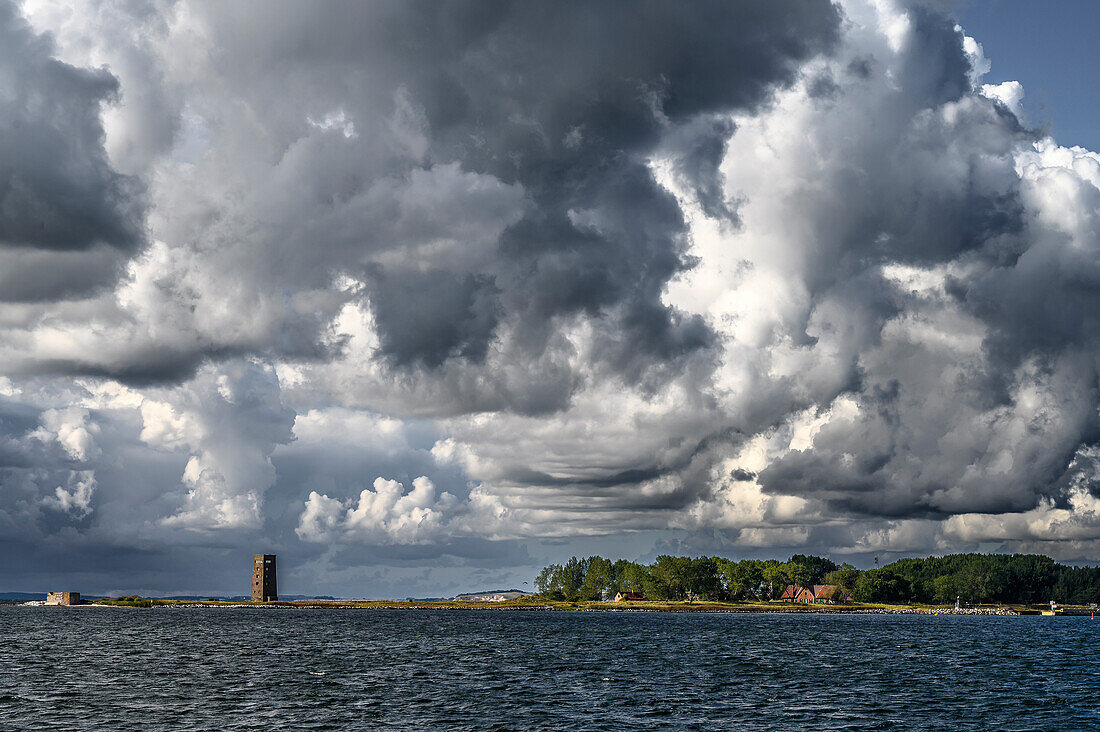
pixel 264 588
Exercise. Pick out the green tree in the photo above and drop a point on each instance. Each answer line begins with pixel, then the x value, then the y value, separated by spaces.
pixel 670 575
pixel 635 578
pixel 798 574
pixel 882 585
pixel 846 577
pixel 597 578
pixel 740 580
pixel 775 578
pixel 745 580
pixel 548 582
pixel 815 567
pixel 976 577
pixel 702 579
pixel 572 578
pixel 945 589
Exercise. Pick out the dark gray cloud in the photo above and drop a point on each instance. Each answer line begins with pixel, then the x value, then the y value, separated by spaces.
pixel 428 317
pixel 565 101
pixel 58 191
pixel 595 86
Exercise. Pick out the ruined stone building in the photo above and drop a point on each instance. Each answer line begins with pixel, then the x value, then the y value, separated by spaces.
pixel 62 598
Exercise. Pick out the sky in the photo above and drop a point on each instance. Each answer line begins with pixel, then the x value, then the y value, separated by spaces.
pixel 422 296
pixel 1034 44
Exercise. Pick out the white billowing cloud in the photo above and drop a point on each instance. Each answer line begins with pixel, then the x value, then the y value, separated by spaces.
pixel 230 419
pixel 808 302
pixel 1008 93
pixel 219 501
pixel 76 496
pixel 338 121
pixel 163 426
pixel 979 64
pixel 390 515
pixel 73 430
pixel 322 518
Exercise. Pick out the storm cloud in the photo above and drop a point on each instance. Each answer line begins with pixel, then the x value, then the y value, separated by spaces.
pixel 417 293
pixel 67 218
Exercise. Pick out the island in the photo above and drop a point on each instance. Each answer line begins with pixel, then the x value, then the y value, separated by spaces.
pixel 973 584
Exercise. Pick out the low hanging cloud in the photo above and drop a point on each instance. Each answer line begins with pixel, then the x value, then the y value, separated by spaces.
pixel 763 275
pixel 1068 524
pixel 387 514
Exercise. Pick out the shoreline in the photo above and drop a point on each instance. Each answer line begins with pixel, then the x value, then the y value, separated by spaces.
pixel 767 608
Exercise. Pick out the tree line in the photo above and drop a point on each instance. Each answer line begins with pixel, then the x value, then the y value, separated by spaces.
pixel 974 578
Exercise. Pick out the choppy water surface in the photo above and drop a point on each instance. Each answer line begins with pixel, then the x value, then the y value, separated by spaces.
pixel 115 668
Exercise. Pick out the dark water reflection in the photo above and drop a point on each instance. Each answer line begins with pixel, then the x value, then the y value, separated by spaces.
pixel 116 668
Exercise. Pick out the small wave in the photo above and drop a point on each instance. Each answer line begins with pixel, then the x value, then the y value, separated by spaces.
pixel 316 673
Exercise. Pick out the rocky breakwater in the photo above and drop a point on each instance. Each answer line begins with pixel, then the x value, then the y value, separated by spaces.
pixel 973 611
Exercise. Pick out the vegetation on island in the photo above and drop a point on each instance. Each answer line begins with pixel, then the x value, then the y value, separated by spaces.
pixel 974 578
pixel 129 601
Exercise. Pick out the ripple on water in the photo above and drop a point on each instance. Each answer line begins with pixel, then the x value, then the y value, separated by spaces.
pixel 270 668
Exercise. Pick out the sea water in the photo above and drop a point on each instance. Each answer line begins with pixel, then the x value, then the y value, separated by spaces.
pixel 334 669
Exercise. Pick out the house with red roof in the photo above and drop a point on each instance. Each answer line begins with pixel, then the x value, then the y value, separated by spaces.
pixel 796 593
pixel 831 593
pixel 816 594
